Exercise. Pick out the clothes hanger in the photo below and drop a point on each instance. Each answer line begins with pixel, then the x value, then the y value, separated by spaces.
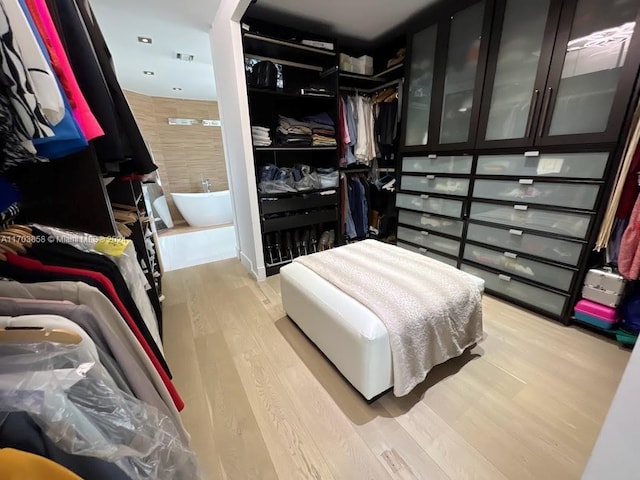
pixel 38 335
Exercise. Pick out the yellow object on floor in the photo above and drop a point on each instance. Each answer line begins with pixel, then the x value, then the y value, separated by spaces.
pixel 19 465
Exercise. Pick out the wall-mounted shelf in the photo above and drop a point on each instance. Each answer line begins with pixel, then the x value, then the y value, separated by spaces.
pixel 287 149
pixel 282 93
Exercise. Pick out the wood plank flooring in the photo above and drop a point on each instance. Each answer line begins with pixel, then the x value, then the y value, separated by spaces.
pixel 263 403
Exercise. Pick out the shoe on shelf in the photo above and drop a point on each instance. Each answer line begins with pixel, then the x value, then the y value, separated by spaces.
pixel 297 243
pixel 288 242
pixel 305 242
pixel 313 240
pixel 323 243
pixel 277 245
pixel 332 239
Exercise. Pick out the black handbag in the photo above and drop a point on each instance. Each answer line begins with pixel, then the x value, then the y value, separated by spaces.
pixel 264 75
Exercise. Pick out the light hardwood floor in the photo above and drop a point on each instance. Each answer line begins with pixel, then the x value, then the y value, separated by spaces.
pixel 263 403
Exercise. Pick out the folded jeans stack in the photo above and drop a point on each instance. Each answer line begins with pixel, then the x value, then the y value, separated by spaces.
pixel 261 136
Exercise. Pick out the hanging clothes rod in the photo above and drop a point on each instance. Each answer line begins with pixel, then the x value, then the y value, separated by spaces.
pixel 374 89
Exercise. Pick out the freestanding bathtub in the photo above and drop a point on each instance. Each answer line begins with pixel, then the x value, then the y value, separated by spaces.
pixel 205 209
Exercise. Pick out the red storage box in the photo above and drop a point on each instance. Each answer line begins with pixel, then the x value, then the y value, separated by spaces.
pixel 596 314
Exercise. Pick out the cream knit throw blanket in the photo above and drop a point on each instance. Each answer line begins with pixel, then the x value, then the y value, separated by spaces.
pixel 432 311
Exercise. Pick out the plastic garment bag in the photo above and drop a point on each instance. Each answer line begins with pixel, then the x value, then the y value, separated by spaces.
pixel 72 398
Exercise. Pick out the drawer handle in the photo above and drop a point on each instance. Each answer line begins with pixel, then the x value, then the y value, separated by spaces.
pixel 515 232
pixel 432 155
pixel 422 232
pixel 525 181
pixel 510 255
pixel 431 177
pixel 504 278
pixel 532 153
pixel 522 208
pixel 424 197
pixel 422 250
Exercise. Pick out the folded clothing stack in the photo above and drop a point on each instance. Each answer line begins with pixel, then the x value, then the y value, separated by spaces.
pixel 323 130
pixel 300 178
pixel 261 136
pixel 293 133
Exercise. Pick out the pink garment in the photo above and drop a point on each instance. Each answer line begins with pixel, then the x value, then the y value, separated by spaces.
pixel 60 63
pixel 629 256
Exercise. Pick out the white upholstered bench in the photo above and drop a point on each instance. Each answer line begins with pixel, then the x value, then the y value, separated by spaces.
pixel 348 333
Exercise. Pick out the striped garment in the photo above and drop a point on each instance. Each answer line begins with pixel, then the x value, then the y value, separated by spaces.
pixel 28 120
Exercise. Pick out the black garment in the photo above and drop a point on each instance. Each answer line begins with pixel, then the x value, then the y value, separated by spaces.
pixel 122 149
pixel 14 272
pixel 20 432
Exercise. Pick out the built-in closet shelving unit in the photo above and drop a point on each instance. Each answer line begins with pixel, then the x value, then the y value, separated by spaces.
pixel 128 193
pixel 302 66
pixel 513 128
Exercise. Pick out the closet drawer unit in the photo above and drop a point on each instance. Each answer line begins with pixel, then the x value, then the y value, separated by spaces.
pixel 550 302
pixel 423 251
pixel 426 221
pixel 517 216
pixel 301 202
pixel 434 164
pixel 299 220
pixel 567 165
pixel 528 190
pixel 435 184
pixel 514 240
pixel 428 204
pixel 429 241
pixel 511 263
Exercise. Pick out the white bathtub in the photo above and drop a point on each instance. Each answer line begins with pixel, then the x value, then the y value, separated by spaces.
pixel 204 209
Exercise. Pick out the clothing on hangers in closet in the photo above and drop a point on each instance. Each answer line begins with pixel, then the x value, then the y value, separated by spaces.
pixel 92 291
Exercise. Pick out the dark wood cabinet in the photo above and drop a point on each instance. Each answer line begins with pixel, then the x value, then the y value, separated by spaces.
pixel 446 73
pixel 559 72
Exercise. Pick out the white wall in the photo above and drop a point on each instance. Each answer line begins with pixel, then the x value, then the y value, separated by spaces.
pixel 616 454
pixel 228 66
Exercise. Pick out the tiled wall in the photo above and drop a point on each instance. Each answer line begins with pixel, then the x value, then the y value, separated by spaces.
pixel 183 153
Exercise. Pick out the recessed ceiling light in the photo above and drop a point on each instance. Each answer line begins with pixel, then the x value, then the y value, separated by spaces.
pixel 148 72
pixel 177 89
pixel 145 39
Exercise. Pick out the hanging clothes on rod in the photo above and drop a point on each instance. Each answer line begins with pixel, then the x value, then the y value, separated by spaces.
pixel 84 285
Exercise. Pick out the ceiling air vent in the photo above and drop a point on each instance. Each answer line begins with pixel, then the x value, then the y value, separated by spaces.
pixel 185 57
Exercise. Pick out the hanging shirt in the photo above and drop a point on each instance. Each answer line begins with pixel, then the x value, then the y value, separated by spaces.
pixel 28 270
pixel 18 465
pixel 68 138
pixel 133 359
pixel 29 121
pixel 60 63
pixel 38 69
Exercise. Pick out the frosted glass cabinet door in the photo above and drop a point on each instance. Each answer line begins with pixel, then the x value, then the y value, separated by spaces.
pixel 460 77
pixel 513 94
pixel 596 53
pixel 420 83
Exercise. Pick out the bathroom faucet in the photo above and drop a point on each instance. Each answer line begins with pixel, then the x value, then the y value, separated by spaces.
pixel 206 185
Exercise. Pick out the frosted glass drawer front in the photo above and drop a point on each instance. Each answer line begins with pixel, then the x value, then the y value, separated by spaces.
pixel 450 164
pixel 534 296
pixel 561 223
pixel 528 190
pixel 427 253
pixel 425 203
pixel 435 184
pixel 427 222
pixel 569 165
pixel 511 263
pixel 514 240
pixel 429 240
